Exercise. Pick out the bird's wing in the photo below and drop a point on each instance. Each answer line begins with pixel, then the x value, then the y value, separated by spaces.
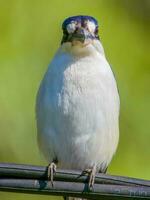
pixel 44 118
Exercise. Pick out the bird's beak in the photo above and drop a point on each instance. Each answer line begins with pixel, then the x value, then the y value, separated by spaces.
pixel 80 35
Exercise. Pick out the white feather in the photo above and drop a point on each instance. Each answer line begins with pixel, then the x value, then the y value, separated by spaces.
pixel 71 27
pixel 78 108
pixel 91 26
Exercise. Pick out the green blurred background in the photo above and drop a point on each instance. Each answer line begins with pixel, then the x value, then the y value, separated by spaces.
pixel 30 34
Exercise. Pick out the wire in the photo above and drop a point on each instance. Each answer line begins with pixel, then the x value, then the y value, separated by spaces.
pixel 33 179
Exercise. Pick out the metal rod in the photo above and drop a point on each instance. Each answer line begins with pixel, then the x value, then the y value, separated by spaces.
pixel 60 188
pixel 33 179
pixel 38 172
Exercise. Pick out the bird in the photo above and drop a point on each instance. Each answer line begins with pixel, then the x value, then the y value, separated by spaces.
pixel 78 104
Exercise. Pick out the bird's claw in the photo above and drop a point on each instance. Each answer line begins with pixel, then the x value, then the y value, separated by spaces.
pixel 91 172
pixel 51 171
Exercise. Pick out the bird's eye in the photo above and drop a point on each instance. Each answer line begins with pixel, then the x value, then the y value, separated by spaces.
pixel 91 26
pixel 71 27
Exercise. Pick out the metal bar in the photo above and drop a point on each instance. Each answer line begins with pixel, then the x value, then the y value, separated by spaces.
pixel 99 191
pixel 38 172
pixel 33 179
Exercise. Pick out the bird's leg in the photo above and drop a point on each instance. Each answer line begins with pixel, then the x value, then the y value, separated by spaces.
pixel 51 170
pixel 92 176
pixel 91 172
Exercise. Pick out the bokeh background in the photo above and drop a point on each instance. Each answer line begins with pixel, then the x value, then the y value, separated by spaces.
pixel 30 34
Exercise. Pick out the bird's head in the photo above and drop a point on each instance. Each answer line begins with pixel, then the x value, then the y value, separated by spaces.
pixel 79 32
pixel 80 29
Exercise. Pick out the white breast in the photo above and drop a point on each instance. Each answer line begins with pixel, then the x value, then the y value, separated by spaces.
pixel 77 111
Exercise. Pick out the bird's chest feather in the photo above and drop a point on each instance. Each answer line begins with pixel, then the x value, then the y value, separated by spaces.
pixel 80 94
pixel 78 108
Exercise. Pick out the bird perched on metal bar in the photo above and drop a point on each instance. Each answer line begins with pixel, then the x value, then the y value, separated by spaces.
pixel 77 106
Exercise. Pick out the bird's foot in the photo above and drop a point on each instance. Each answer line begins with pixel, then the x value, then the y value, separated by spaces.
pixel 91 172
pixel 51 170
